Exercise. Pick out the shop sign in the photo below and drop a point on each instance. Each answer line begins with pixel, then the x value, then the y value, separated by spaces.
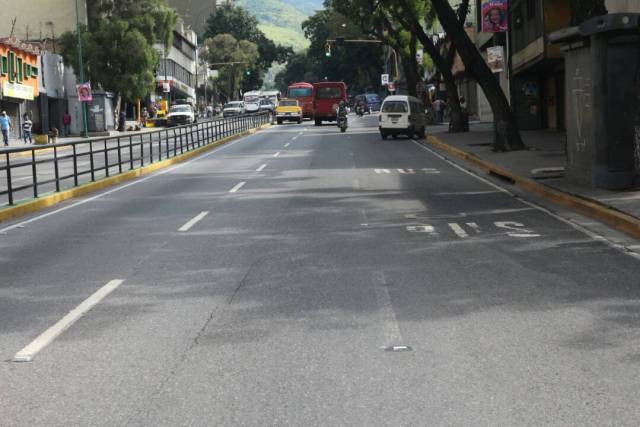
pixel 17 90
pixel 495 16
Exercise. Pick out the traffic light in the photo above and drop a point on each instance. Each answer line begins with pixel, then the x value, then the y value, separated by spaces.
pixel 248 72
pixel 327 49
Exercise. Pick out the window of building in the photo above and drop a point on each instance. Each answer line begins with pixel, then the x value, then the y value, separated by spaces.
pixel 27 71
pixel 20 70
pixel 4 66
pixel 34 71
pixel 12 67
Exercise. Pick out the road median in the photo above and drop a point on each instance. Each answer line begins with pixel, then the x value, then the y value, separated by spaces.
pixel 591 208
pixel 33 205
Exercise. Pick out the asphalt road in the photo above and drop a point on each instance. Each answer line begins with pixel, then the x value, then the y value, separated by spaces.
pixel 348 281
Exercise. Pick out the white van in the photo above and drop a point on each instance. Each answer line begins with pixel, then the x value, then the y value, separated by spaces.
pixel 402 115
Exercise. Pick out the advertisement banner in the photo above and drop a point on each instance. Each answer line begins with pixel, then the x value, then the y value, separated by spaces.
pixel 84 92
pixel 495 59
pixel 495 16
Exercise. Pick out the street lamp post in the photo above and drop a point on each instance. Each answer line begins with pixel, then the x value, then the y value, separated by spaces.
pixel 85 131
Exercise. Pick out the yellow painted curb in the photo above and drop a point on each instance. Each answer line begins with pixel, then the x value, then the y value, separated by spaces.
pixel 619 220
pixel 30 206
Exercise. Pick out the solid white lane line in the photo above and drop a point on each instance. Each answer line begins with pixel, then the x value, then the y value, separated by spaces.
pixel 29 352
pixel 277 154
pixel 390 327
pixel 261 168
pixel 294 138
pixel 458 230
pixel 237 187
pixel 287 144
pixel 193 221
pixel 21 224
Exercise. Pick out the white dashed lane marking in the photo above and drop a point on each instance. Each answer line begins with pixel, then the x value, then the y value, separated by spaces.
pixel 193 221
pixel 29 352
pixel 237 187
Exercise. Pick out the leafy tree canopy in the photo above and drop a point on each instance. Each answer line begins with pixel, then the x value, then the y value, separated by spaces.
pixel 239 23
pixel 118 44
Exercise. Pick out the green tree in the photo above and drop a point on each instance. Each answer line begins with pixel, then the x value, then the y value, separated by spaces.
pixel 508 135
pixel 237 21
pixel 299 69
pixel 358 65
pixel 237 56
pixel 118 44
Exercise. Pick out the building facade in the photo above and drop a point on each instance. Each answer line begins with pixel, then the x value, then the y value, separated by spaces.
pixel 178 66
pixel 19 71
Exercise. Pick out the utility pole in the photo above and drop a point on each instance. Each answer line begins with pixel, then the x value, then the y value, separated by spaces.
pixel 85 131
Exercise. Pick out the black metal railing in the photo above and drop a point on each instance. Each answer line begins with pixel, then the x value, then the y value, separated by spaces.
pixel 56 167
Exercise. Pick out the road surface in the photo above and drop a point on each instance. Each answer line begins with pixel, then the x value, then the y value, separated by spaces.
pixel 304 277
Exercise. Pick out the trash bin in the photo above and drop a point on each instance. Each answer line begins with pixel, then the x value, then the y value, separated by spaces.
pixel 602 64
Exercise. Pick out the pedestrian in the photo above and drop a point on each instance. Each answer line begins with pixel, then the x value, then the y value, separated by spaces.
pixel 66 121
pixel 122 121
pixel 27 125
pixel 439 106
pixel 145 116
pixel 5 127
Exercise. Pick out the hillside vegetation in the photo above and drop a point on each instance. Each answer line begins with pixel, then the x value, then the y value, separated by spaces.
pixel 281 20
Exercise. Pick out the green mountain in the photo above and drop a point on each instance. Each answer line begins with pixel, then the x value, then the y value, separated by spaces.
pixel 281 20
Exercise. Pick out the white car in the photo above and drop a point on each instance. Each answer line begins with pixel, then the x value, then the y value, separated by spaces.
pixel 180 114
pixel 234 108
pixel 252 107
pixel 402 115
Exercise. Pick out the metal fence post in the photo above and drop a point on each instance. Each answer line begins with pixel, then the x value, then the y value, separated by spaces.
pixel 130 152
pixel 93 174
pixel 56 170
pixel 9 186
pixel 119 157
pixel 34 173
pixel 75 166
pixel 141 150
pixel 106 159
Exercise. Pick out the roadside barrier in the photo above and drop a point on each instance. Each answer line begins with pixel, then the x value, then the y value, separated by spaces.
pixel 57 167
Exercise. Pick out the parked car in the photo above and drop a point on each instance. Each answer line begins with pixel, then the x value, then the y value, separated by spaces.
pixel 267 105
pixel 234 108
pixel 288 110
pixel 371 102
pixel 326 98
pixel 402 115
pixel 180 114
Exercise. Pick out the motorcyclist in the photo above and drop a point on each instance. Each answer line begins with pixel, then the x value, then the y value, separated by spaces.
pixel 342 115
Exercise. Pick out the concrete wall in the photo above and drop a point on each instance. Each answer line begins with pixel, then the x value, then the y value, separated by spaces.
pixel 40 19
pixel 616 6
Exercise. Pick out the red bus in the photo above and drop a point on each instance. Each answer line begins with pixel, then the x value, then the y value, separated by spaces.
pixel 326 97
pixel 303 92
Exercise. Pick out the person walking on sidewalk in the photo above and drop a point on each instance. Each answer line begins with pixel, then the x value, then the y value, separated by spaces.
pixel 439 106
pixel 5 127
pixel 27 125
pixel 66 121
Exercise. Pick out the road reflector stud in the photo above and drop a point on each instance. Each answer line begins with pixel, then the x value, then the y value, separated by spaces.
pixel 398 348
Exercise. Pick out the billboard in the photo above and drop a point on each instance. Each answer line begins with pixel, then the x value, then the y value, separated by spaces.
pixel 84 92
pixel 495 59
pixel 495 16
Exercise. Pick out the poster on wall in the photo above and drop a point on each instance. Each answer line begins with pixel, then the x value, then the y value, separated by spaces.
pixel 84 92
pixel 495 15
pixel 495 59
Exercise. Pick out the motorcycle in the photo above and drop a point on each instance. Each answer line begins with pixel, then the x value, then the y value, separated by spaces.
pixel 342 123
pixel 360 110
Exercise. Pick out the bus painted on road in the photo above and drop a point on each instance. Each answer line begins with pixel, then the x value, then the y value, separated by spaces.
pixel 303 92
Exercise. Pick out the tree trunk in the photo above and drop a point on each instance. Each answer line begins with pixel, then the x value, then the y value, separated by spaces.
pixel 508 135
pixel 457 119
pixel 411 68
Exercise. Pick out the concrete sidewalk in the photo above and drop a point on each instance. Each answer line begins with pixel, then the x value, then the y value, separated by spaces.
pixel 542 163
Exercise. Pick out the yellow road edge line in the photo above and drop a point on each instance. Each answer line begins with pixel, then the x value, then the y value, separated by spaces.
pixel 621 221
pixel 30 206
